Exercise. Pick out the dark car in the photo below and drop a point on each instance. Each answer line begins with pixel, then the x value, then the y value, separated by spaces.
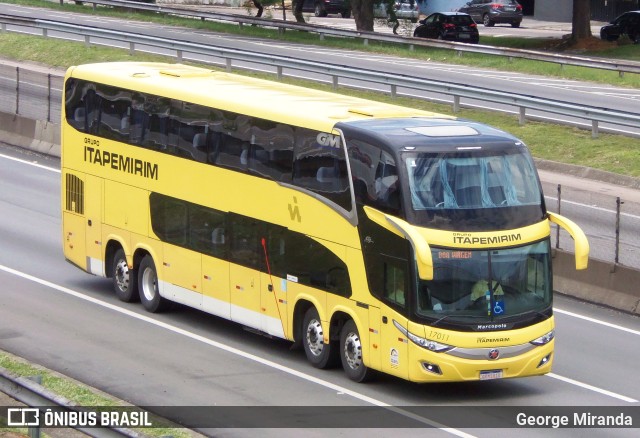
pixel 450 26
pixel 321 8
pixel 490 12
pixel 626 24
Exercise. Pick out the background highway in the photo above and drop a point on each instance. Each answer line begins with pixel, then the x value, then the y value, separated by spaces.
pixel 603 95
pixel 55 315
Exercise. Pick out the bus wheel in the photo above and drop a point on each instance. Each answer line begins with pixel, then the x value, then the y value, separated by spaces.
pixel 351 354
pixel 318 353
pixel 125 281
pixel 148 286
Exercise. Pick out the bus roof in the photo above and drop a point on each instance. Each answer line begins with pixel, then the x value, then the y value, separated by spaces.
pixel 241 94
pixel 433 134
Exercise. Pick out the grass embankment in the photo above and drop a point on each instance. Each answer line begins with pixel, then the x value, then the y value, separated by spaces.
pixel 74 392
pixel 613 153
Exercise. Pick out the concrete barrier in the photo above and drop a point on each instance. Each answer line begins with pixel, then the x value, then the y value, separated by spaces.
pixel 603 283
pixel 36 135
pixel 610 285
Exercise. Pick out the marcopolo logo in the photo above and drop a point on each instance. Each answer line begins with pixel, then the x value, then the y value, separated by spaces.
pixel 329 140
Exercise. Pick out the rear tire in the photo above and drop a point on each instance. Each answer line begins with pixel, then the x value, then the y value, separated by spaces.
pixel 515 24
pixel 487 21
pixel 125 280
pixel 148 286
pixel 319 354
pixel 351 354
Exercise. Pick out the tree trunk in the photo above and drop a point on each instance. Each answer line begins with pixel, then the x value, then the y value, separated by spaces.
pixel 258 5
pixel 581 23
pixel 296 5
pixel 362 11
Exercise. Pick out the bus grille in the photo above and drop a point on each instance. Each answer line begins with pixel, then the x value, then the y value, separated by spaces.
pixel 75 194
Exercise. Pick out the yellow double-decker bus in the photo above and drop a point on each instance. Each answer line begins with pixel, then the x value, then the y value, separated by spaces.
pixel 376 236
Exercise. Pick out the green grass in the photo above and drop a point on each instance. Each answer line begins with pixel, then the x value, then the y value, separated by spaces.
pixel 75 392
pixel 602 49
pixel 548 141
pixel 613 153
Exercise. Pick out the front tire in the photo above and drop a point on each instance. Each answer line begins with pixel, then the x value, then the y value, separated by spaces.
pixel 319 354
pixel 125 280
pixel 148 286
pixel 351 354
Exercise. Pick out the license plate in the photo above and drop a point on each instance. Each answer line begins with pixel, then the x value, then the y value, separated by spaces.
pixel 509 8
pixel 490 374
pixel 464 36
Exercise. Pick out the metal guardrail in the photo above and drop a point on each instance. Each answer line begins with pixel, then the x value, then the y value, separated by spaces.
pixel 394 81
pixel 33 394
pixel 604 64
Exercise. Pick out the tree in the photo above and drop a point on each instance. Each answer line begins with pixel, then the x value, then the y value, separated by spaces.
pixel 296 5
pixel 581 22
pixel 362 11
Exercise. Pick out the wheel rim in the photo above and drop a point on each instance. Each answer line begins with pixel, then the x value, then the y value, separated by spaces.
pixel 353 350
pixel 315 337
pixel 122 275
pixel 486 20
pixel 149 284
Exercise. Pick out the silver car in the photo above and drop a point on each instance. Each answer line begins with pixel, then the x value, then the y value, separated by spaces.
pixel 490 12
pixel 404 9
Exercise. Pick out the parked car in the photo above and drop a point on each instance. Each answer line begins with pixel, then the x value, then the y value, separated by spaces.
pixel 450 26
pixel 626 24
pixel 321 8
pixel 404 9
pixel 490 12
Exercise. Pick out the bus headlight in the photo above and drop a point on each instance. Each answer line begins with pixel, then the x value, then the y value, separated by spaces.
pixel 545 339
pixel 429 344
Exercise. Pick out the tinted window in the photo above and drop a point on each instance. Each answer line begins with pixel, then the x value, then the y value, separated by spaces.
pixel 321 167
pixel 260 147
pixel 375 176
pixel 239 239
pixel 169 219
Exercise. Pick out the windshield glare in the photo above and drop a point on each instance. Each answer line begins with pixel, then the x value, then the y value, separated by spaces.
pixel 456 181
pixel 487 283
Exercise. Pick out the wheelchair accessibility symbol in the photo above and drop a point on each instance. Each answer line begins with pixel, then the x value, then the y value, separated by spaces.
pixel 498 309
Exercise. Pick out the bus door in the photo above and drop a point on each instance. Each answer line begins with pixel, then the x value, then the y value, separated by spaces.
pixel 208 234
pixel 273 305
pixel 73 219
pixel 93 216
pixel 394 344
pixel 245 255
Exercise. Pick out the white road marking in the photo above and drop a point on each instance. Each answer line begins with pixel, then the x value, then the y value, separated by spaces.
pixel 51 169
pixel 593 388
pixel 177 330
pixel 597 321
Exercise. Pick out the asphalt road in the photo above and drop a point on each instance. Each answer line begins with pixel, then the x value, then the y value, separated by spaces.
pixel 60 317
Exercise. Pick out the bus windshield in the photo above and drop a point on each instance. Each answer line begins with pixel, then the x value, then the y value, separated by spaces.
pixel 478 189
pixel 492 283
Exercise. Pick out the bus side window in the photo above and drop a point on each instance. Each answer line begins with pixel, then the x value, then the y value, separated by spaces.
pixel 321 168
pixel 271 154
pixel 245 248
pixel 395 283
pixel 169 219
pixel 207 231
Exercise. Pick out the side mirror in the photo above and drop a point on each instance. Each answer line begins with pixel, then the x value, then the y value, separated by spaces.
pixel 579 238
